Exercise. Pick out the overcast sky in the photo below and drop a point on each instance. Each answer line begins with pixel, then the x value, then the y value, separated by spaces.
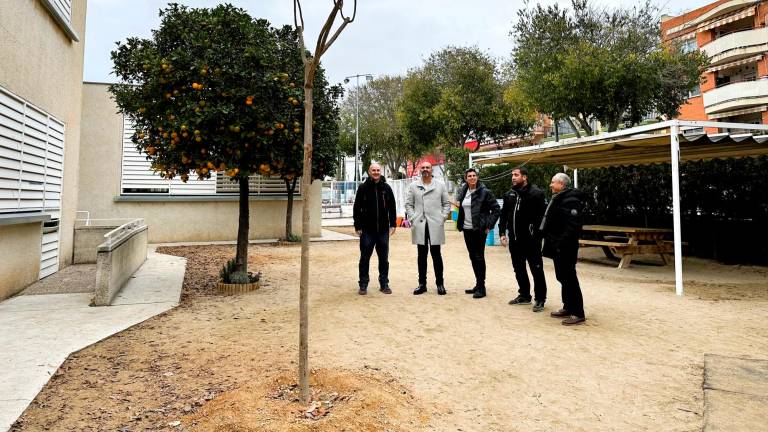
pixel 387 37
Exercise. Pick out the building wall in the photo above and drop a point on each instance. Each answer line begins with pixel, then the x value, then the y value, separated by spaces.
pixel 694 109
pixel 19 257
pixel 41 64
pixel 170 219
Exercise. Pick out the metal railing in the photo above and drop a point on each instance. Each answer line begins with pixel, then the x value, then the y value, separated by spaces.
pixel 123 231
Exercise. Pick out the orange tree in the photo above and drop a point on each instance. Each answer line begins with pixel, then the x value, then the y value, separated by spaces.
pixel 206 94
pixel 287 153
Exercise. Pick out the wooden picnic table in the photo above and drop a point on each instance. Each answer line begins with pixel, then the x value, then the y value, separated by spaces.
pixel 627 241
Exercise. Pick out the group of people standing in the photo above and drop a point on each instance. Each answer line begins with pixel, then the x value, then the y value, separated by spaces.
pixel 525 219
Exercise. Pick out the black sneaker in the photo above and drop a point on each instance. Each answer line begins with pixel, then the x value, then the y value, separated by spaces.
pixel 470 291
pixel 385 290
pixel 363 290
pixel 420 290
pixel 538 306
pixel 520 300
pixel 441 290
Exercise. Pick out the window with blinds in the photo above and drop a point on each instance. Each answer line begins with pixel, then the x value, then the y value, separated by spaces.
pixel 138 178
pixel 31 158
pixel 63 8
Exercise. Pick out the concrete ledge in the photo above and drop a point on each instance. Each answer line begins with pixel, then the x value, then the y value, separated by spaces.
pixel 87 241
pixel 116 262
pixel 196 198
pixel 23 218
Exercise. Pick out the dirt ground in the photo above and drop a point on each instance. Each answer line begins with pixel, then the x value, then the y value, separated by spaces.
pixel 405 363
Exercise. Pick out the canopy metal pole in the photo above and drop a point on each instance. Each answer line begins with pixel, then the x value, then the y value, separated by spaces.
pixel 675 158
pixel 576 178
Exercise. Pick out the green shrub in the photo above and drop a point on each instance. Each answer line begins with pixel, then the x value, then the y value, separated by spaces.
pixel 227 274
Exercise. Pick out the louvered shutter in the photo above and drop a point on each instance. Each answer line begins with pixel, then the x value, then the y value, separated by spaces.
pixel 257 185
pixel 32 169
pixel 138 177
pixel 31 157
pixel 64 8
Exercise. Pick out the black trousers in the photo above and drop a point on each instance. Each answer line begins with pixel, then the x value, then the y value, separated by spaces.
pixel 475 241
pixel 565 271
pixel 528 251
pixel 368 242
pixel 437 259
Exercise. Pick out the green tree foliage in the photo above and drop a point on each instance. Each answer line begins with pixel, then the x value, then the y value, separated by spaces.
pixel 382 134
pixel 723 203
pixel 287 153
pixel 206 96
pixel 457 95
pixel 587 63
pixel 498 178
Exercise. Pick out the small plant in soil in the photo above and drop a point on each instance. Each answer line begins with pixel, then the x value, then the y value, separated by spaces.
pixel 230 276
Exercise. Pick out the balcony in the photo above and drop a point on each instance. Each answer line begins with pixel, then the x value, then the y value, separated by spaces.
pixel 737 45
pixel 736 96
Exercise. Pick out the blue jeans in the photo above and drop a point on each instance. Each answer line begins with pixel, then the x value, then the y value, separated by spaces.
pixel 368 242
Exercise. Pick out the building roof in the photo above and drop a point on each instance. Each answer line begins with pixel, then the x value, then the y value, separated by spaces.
pixel 638 146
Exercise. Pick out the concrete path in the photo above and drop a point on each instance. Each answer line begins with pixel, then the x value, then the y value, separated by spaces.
pixel 38 332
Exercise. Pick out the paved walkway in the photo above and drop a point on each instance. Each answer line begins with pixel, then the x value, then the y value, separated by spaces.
pixel 40 331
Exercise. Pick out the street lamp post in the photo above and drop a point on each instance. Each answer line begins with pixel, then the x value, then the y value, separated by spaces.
pixel 368 77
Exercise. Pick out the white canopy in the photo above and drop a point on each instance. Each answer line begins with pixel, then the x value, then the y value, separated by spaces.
pixel 669 141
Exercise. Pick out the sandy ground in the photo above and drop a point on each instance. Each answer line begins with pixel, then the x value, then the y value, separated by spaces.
pixel 410 363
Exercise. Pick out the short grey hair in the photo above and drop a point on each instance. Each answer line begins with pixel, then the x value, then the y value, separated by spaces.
pixel 563 178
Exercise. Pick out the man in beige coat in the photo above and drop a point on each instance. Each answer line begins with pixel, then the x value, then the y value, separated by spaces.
pixel 427 206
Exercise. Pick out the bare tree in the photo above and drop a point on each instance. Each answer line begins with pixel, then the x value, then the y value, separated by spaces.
pixel 311 62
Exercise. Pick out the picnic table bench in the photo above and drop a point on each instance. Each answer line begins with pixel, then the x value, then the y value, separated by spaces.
pixel 627 241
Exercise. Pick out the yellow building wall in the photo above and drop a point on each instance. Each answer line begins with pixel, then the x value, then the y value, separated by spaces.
pixel 19 257
pixel 41 64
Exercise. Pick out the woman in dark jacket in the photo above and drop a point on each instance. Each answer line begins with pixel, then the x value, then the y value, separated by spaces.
pixel 478 212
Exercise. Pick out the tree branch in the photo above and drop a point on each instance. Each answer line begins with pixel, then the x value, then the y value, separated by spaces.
pixel 323 36
pixel 341 10
pixel 298 16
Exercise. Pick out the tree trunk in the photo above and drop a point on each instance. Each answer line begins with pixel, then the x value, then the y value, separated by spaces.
pixel 306 181
pixel 290 188
pixel 569 119
pixel 241 256
pixel 584 122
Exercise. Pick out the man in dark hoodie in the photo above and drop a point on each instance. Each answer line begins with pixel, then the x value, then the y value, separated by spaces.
pixel 375 216
pixel 521 215
pixel 561 227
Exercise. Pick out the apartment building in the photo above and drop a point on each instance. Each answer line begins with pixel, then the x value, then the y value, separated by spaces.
pixel 733 33
pixel 41 47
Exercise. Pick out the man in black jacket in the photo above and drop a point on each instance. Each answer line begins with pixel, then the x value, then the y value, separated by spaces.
pixel 521 215
pixel 562 227
pixel 375 218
